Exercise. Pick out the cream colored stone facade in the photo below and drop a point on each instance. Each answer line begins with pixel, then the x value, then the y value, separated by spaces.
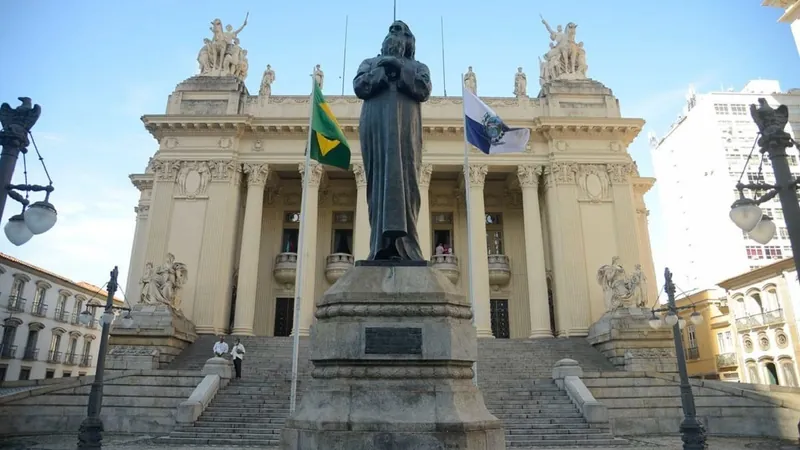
pixel 221 191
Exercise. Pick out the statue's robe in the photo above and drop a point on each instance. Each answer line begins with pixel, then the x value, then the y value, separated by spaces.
pixel 390 131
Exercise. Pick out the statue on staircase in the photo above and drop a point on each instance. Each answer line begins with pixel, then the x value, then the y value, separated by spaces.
pixel 162 284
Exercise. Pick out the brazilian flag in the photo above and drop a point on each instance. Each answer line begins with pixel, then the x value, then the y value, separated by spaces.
pixel 328 144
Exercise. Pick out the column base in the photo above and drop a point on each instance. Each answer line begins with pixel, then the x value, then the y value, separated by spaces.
pixel 541 334
pixel 304 332
pixel 484 334
pixel 242 331
pixel 202 329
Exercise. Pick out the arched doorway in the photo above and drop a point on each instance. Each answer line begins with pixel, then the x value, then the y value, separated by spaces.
pixel 771 373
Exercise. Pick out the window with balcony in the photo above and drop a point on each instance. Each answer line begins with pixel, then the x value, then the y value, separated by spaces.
pixel 342 241
pixel 725 342
pixel 773 252
pixel 39 306
pixel 442 227
pixel 31 350
pixel 7 348
pixel 78 310
pixel 291 232
pixel 16 301
pixel 61 314
pixel 754 252
pixel 86 357
pixel 494 234
pixel 692 352
pixel 71 356
pixel 54 355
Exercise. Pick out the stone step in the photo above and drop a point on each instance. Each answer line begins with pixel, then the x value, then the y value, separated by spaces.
pixel 219 440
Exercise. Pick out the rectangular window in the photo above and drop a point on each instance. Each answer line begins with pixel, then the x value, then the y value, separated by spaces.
pixel 773 252
pixel 494 233
pixel 755 177
pixel 290 237
pixel 25 373
pixel 738 109
pixel 721 343
pixel 754 252
pixel 66 374
pixel 720 109
pixel 342 241
pixel 50 374
pixel 783 232
pixel 778 213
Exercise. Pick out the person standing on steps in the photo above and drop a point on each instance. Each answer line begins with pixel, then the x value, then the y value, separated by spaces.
pixel 238 353
pixel 220 347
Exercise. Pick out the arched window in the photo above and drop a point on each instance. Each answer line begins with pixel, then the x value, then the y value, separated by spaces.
pixel 752 373
pixel 39 307
pixel 789 374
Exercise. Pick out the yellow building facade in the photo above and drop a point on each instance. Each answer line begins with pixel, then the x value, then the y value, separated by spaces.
pixel 223 191
pixel 710 346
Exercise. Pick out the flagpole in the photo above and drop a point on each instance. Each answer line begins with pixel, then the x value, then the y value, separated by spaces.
pixel 344 58
pixel 394 16
pixel 298 281
pixel 444 71
pixel 469 224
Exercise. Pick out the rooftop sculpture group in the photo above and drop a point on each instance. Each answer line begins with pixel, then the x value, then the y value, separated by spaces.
pixel 566 59
pixel 221 55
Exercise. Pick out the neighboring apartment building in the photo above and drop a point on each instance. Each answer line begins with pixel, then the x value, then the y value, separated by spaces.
pixel 750 331
pixel 698 163
pixel 791 15
pixel 42 334
pixel 710 347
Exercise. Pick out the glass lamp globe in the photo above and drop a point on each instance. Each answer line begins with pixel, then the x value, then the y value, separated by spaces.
pixel 40 217
pixel 85 317
pixel 107 318
pixel 746 214
pixel 127 320
pixel 681 322
pixel 764 231
pixel 696 318
pixel 655 321
pixel 671 319
pixel 17 231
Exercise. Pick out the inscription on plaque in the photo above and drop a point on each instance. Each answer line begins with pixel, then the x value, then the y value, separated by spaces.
pixel 393 341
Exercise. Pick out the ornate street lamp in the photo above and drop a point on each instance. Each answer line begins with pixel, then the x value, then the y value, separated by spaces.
pixel 773 141
pixel 693 433
pixel 40 216
pixel 90 435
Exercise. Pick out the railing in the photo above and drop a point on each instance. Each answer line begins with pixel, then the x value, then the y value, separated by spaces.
pixel 499 270
pixel 447 264
pixel 70 358
pixel 61 315
pixel 31 354
pixel 16 304
pixel 54 357
pixel 692 353
pixel 759 320
pixel 727 360
pixel 74 318
pixel 8 351
pixel 336 265
pixel 39 309
pixel 86 361
pixel 285 268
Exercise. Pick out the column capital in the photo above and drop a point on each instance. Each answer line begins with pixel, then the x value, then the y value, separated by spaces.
pixel 477 174
pixel 360 175
pixel 425 172
pixel 316 173
pixel 257 174
pixel 560 173
pixel 142 184
pixel 142 211
pixel 621 172
pixel 529 174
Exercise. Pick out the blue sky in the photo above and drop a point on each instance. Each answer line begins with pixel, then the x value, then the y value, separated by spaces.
pixel 97 66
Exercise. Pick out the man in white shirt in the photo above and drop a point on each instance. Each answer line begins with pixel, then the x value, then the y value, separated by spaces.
pixel 221 347
pixel 238 353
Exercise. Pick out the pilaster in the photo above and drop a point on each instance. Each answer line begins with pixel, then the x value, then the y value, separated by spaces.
pixel 212 296
pixel 528 176
pixel 158 224
pixel 424 220
pixel 307 273
pixel 247 283
pixel 625 211
pixel 641 186
pixel 479 264
pixel 571 291
pixel 137 261
pixel 362 227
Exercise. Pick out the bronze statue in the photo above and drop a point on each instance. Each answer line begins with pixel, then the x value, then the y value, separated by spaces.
pixel 393 86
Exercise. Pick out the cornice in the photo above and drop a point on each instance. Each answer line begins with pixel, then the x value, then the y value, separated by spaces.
pixel 352 100
pixel 557 128
pixel 643 184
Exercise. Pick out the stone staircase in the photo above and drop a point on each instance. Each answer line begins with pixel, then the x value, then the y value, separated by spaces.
pixel 514 376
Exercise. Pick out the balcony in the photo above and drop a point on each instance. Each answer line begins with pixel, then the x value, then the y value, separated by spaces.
pixel 447 264
pixel 336 264
pixel 8 351
pixel 499 271
pixel 31 354
pixel 39 310
pixel 285 269
pixel 93 322
pixel 759 320
pixel 86 361
pixel 727 360
pixel 61 315
pixel 54 357
pixel 74 318
pixel 692 353
pixel 70 359
pixel 16 304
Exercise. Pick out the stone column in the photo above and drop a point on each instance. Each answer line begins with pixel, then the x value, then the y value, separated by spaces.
pixel 645 251
pixel 362 229
pixel 570 288
pixel 424 220
pixel 534 251
pixel 158 223
pixel 625 212
pixel 137 262
pixel 247 284
pixel 309 257
pixel 479 266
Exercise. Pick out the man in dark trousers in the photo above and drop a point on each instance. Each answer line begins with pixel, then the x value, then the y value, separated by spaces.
pixel 238 353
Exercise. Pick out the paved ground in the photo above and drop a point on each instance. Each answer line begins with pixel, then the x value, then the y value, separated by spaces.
pixel 68 442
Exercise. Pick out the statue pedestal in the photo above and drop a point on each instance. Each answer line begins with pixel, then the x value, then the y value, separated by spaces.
pixel 625 337
pixel 155 328
pixel 392 349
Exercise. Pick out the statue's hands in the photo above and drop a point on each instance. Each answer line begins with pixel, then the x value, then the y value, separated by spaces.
pixel 390 62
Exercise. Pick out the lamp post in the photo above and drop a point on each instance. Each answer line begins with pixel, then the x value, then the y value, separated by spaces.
pixel 90 433
pixel 773 142
pixel 40 216
pixel 693 433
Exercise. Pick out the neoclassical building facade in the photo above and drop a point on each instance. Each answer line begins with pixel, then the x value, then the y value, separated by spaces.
pixel 222 194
